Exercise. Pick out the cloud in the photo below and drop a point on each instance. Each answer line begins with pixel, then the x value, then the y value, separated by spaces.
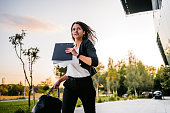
pixel 28 23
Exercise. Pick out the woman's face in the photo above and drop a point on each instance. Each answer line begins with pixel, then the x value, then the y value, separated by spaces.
pixel 77 32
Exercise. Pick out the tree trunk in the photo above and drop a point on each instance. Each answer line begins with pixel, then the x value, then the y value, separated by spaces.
pixel 97 86
pixel 25 88
pixel 33 93
pixel 108 87
pixel 97 90
pixel 29 97
pixel 136 94
pixel 116 88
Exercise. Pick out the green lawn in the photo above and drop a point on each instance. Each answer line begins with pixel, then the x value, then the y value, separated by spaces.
pixel 15 106
pixel 19 106
pixel 22 106
pixel 12 107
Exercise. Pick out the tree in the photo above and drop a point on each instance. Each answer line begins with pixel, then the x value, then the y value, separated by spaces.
pixel 112 78
pixel 162 80
pixel 145 74
pixel 157 79
pixel 97 76
pixel 103 81
pixel 3 89
pixel 132 78
pixel 46 82
pixel 17 43
pixel 31 53
pixel 46 87
pixel 121 71
pixel 15 89
pixel 59 71
pixel 165 80
pixel 109 75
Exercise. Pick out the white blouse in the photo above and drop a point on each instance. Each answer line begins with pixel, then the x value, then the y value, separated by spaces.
pixel 75 70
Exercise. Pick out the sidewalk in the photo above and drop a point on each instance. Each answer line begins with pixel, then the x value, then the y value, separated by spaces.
pixel 132 106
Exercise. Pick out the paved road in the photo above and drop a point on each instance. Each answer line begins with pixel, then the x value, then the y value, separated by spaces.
pixel 132 106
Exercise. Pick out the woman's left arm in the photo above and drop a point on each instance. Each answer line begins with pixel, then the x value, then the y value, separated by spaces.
pixel 91 59
pixel 83 58
pixel 91 53
pixel 87 60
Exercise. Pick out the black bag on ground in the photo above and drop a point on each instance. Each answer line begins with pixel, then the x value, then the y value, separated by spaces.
pixel 47 104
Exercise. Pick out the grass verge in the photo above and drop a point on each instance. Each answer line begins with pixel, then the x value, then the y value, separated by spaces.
pixel 15 107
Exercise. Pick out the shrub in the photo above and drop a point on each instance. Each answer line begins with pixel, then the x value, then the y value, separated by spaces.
pixel 111 98
pixel 125 98
pixel 115 94
pixel 99 100
pixel 46 87
pixel 130 97
pixel 141 96
pixel 133 96
pixel 79 103
pixel 21 98
pixel 117 98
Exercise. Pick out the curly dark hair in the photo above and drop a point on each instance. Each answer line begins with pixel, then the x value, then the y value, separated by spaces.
pixel 89 33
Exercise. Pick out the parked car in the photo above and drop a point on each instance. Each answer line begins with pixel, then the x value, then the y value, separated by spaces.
pixel 124 95
pixel 157 95
pixel 147 94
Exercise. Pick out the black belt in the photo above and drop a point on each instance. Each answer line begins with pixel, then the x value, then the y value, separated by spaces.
pixel 79 78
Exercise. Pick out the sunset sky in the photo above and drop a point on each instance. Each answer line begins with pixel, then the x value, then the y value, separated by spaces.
pixel 48 22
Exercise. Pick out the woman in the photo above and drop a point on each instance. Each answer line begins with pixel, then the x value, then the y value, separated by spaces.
pixel 78 82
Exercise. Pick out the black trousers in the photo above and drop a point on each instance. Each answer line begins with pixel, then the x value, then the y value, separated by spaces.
pixel 79 88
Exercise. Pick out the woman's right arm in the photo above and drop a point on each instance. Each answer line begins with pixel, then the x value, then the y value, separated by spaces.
pixel 57 84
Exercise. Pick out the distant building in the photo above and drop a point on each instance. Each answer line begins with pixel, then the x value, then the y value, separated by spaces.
pixel 161 16
pixel 3 80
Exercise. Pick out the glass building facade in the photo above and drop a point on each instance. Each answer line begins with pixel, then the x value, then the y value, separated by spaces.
pixel 161 17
